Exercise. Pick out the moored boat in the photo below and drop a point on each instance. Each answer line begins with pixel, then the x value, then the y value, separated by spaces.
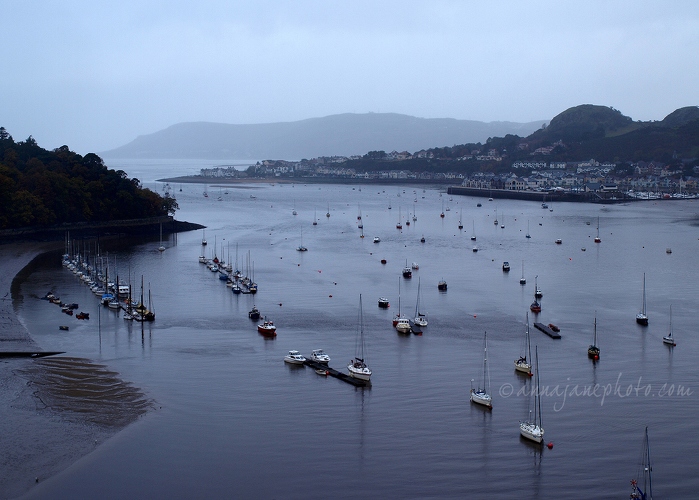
pixel 267 328
pixel 294 358
pixel 357 366
pixel 319 356
pixel 532 428
pixel 523 364
pixel 481 396
pixel 642 317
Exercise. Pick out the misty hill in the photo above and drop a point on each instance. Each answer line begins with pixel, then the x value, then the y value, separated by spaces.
pixel 335 135
pixel 590 131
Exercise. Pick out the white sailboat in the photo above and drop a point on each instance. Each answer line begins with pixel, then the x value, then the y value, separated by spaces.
pixel 357 367
pixel 161 248
pixel 524 364
pixel 669 339
pixel 528 235
pixel 522 280
pixel 420 318
pixel 473 234
pixel 641 317
pixel 533 428
pixel 481 396
pixel 401 322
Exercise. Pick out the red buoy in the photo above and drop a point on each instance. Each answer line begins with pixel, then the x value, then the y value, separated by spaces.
pixel 550 445
pixel 596 357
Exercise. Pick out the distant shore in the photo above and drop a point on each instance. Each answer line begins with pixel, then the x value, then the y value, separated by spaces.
pixel 197 179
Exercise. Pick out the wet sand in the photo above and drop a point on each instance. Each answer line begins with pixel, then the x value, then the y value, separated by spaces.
pixel 57 409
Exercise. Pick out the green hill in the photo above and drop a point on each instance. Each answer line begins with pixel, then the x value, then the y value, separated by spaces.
pixel 40 188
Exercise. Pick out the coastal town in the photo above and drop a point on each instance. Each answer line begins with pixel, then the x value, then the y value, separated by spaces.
pixel 642 179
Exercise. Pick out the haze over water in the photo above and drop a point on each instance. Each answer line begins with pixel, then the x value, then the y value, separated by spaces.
pixel 233 420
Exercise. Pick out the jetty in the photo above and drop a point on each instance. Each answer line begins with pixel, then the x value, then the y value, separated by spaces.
pixel 338 375
pixel 544 328
pixel 28 354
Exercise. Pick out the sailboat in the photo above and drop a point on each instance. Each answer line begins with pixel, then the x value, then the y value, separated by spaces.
pixel 532 428
pixel 528 235
pixel 357 367
pixel 523 364
pixel 537 291
pixel 161 248
pixel 461 226
pixel 401 322
pixel 597 238
pixel 414 214
pixel 327 214
pixel 420 319
pixel 294 212
pixel 522 280
pixel 315 218
pixel 473 234
pixel 442 214
pixel 593 350
pixel 641 317
pixel 644 475
pixel 301 248
pixel 399 224
pixel 669 339
pixel 203 238
pixel 481 396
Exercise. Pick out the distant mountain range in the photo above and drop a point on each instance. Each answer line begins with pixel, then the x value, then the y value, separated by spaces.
pixel 336 135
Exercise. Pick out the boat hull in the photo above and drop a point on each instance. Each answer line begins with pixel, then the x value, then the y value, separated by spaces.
pixel 481 398
pixel 642 319
pixel 531 431
pixel 523 367
pixel 359 373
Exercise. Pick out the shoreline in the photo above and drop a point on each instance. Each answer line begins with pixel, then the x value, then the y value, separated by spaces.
pixel 47 425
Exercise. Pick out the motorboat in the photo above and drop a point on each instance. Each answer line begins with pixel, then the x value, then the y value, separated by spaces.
pixel 319 356
pixel 407 271
pixel 267 328
pixel 383 303
pixel 506 266
pixel 442 286
pixel 559 241
pixel 254 313
pixel 294 358
pixel 377 239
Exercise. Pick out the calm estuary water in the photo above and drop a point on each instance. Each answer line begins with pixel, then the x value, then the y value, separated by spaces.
pixel 232 420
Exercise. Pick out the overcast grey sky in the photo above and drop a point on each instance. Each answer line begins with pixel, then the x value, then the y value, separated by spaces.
pixel 94 75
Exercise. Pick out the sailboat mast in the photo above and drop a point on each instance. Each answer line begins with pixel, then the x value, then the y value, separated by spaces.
pixel 650 469
pixel 537 406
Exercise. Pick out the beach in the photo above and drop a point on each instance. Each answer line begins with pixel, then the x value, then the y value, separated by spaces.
pixel 47 421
